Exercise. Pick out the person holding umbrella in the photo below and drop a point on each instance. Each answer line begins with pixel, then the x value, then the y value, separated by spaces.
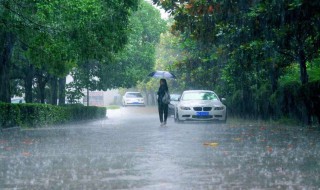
pixel 163 94
pixel 162 106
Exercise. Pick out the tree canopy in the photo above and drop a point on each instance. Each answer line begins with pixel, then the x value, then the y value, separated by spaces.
pixel 244 49
pixel 43 41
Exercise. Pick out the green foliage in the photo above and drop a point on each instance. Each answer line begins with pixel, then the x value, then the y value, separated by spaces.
pixel 78 112
pixel 254 53
pixel 41 115
pixel 38 115
pixel 292 73
pixel 56 36
pixel 9 115
pixel 137 59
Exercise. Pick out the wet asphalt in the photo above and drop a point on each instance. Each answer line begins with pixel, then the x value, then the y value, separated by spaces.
pixel 130 150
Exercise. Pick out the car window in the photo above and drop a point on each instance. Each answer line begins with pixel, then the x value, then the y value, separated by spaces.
pixel 199 96
pixel 133 95
pixel 174 97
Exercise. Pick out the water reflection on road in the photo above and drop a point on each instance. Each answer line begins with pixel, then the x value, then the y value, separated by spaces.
pixel 129 150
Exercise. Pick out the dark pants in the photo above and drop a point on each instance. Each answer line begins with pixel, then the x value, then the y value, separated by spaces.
pixel 163 111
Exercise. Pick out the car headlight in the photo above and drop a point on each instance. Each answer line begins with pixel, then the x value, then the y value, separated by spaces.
pixel 219 108
pixel 185 108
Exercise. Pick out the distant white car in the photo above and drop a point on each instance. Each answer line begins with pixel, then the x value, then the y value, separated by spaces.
pixel 133 99
pixel 200 105
pixel 17 100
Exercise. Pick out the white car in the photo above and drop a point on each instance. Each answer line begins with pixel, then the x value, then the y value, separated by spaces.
pixel 200 105
pixel 133 99
pixel 17 100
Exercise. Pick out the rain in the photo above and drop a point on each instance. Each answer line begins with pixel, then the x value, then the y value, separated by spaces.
pixel 221 94
pixel 121 152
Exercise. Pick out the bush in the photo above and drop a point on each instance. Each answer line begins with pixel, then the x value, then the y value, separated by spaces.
pixel 9 115
pixel 81 112
pixel 310 93
pixel 291 100
pixel 37 115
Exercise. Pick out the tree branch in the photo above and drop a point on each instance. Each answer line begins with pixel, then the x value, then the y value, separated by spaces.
pixel 287 54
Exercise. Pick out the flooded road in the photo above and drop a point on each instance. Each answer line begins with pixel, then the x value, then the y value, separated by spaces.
pixel 129 150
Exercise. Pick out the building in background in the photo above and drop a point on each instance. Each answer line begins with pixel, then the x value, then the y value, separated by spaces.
pixel 102 98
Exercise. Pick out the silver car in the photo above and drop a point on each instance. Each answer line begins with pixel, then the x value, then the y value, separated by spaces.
pixel 200 105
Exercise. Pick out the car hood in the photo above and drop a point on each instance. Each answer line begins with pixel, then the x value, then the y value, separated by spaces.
pixel 130 98
pixel 174 102
pixel 201 103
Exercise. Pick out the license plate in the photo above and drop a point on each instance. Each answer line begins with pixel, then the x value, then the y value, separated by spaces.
pixel 202 113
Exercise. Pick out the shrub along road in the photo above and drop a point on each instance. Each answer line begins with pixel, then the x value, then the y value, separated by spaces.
pixel 130 150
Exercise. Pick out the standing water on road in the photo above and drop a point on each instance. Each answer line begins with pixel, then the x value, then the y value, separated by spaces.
pixel 129 150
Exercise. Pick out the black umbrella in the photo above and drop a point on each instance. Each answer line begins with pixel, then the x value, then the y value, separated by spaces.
pixel 162 74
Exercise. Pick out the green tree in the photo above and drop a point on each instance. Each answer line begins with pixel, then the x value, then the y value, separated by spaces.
pixel 54 35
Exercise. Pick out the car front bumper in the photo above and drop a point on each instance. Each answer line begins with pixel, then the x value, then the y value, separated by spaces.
pixel 209 116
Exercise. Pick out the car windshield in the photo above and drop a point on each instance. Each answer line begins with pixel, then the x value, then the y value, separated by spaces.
pixel 16 101
pixel 174 97
pixel 199 96
pixel 133 95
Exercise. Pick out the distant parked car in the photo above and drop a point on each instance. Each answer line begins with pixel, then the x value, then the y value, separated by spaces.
pixel 200 105
pixel 17 100
pixel 174 101
pixel 133 99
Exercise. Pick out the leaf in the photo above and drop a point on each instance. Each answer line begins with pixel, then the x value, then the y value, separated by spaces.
pixel 28 141
pixel 269 149
pixel 8 148
pixel 26 154
pixel 211 144
pixel 188 6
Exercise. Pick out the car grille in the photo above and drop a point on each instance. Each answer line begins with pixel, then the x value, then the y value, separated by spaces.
pixel 207 108
pixel 202 108
pixel 197 108
pixel 202 117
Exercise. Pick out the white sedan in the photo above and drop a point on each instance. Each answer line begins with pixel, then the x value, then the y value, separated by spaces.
pixel 200 105
pixel 133 99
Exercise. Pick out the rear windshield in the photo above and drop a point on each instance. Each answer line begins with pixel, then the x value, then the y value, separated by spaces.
pixel 133 95
pixel 199 96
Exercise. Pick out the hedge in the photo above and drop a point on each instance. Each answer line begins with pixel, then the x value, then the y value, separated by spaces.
pixel 291 100
pixel 38 115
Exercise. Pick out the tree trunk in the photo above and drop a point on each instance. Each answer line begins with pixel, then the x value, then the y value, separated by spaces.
pixel 304 80
pixel 88 99
pixel 7 40
pixel 42 81
pixel 54 90
pixel 29 74
pixel 303 67
pixel 42 86
pixel 62 90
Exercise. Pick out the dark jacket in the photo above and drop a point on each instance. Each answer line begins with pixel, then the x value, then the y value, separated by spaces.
pixel 162 90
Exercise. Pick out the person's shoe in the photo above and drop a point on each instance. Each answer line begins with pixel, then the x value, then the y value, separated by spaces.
pixel 161 124
pixel 165 123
